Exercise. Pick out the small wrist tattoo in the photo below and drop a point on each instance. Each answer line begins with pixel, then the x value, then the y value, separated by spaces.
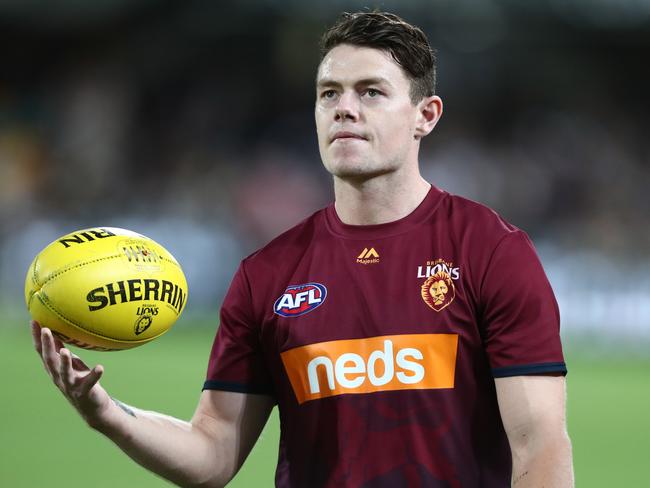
pixel 124 407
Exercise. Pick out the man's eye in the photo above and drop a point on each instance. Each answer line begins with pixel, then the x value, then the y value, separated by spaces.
pixel 328 94
pixel 372 93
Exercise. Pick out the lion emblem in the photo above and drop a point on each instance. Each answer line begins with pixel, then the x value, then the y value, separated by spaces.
pixel 143 324
pixel 438 291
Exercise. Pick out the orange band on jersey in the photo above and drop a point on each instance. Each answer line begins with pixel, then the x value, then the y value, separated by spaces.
pixel 385 363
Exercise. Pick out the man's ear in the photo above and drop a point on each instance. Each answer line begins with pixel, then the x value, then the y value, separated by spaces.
pixel 429 113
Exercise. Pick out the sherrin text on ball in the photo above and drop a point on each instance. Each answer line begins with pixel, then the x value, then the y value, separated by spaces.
pixel 105 288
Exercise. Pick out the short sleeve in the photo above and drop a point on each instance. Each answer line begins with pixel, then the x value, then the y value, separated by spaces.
pixel 521 320
pixel 237 361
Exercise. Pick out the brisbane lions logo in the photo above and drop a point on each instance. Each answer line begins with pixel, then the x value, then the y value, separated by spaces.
pixel 142 324
pixel 438 291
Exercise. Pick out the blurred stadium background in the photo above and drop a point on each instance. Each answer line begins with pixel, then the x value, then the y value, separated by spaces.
pixel 191 122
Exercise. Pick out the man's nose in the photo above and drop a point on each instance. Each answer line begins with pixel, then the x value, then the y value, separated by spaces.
pixel 347 107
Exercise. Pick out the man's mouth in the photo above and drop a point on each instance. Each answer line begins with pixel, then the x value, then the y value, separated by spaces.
pixel 345 135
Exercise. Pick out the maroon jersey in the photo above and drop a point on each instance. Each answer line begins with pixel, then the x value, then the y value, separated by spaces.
pixel 380 343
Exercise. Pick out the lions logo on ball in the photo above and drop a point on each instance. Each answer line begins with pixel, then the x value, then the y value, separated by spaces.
pixel 300 299
pixel 143 324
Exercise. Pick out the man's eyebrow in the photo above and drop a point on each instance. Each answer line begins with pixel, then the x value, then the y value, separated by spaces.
pixel 328 82
pixel 373 81
pixel 323 82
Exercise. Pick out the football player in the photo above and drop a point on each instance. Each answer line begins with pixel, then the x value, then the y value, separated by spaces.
pixel 437 362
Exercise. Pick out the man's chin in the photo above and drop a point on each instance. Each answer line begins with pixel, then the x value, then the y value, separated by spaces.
pixel 355 170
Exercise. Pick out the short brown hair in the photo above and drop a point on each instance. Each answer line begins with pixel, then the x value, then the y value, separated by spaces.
pixel 406 43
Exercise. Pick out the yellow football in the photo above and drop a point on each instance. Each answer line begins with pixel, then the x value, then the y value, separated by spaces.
pixel 105 289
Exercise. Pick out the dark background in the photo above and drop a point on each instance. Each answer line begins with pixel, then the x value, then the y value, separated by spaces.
pixel 192 122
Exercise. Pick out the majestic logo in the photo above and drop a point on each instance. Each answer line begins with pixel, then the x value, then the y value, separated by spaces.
pixel 384 363
pixel 300 299
pixel 368 256
pixel 438 290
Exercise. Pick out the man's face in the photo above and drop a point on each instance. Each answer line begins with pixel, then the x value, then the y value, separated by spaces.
pixel 364 117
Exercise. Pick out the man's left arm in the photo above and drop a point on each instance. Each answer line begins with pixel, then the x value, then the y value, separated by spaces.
pixel 533 410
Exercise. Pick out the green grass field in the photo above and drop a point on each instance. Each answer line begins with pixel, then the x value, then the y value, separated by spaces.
pixel 44 444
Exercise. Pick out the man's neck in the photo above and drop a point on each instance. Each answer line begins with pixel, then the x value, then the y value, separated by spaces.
pixel 378 200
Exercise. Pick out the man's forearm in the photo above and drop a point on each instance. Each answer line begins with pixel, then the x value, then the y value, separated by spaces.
pixel 205 452
pixel 548 465
pixel 176 450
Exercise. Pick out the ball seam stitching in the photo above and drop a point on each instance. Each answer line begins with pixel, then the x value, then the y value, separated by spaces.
pixel 84 263
pixel 45 301
pixel 77 265
pixel 34 283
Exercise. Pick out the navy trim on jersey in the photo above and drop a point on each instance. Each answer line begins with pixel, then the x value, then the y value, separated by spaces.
pixel 529 369
pixel 236 387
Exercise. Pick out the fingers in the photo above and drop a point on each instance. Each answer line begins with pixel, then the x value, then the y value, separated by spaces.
pixel 65 368
pixel 58 344
pixel 36 337
pixel 46 346
pixel 78 364
pixel 51 358
pixel 73 383
pixel 91 379
pixel 69 373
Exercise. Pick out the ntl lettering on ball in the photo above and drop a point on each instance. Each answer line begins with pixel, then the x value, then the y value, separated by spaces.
pixel 136 290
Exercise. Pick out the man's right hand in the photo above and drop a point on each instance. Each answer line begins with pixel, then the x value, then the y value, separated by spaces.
pixel 78 383
pixel 205 452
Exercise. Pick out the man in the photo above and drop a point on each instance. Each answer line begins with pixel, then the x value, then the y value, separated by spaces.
pixel 382 375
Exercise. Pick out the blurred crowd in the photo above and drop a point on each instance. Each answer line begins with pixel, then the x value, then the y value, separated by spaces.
pixel 193 122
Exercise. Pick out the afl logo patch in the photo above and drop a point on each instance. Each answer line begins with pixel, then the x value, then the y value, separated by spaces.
pixel 300 299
